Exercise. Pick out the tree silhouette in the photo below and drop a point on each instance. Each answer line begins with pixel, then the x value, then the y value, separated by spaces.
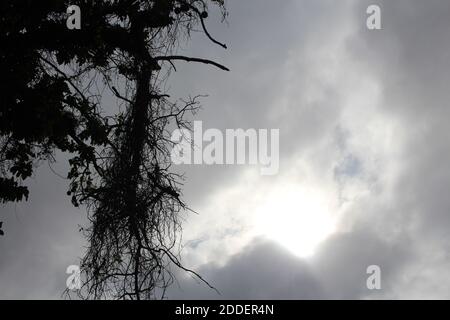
pixel 51 100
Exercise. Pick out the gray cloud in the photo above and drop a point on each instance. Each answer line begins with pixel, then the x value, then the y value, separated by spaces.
pixel 263 270
pixel 41 240
pixel 402 224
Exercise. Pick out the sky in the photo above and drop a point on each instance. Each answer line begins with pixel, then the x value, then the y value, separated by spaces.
pixel 364 153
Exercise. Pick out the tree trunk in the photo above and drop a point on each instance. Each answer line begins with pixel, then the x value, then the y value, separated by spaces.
pixel 136 145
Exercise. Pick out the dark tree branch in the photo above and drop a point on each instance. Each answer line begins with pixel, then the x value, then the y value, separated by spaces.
pixel 202 21
pixel 118 95
pixel 190 59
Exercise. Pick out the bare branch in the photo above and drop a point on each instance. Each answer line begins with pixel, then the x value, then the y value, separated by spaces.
pixel 118 95
pixel 190 59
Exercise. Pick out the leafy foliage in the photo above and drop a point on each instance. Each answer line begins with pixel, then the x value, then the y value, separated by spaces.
pixel 120 163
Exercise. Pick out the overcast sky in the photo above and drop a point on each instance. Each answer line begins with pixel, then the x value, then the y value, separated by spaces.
pixel 364 161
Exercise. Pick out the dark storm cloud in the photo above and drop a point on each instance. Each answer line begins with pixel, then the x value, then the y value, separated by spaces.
pixel 342 260
pixel 263 270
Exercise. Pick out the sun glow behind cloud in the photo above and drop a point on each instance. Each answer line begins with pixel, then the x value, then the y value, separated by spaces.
pixel 298 217
pixel 297 209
